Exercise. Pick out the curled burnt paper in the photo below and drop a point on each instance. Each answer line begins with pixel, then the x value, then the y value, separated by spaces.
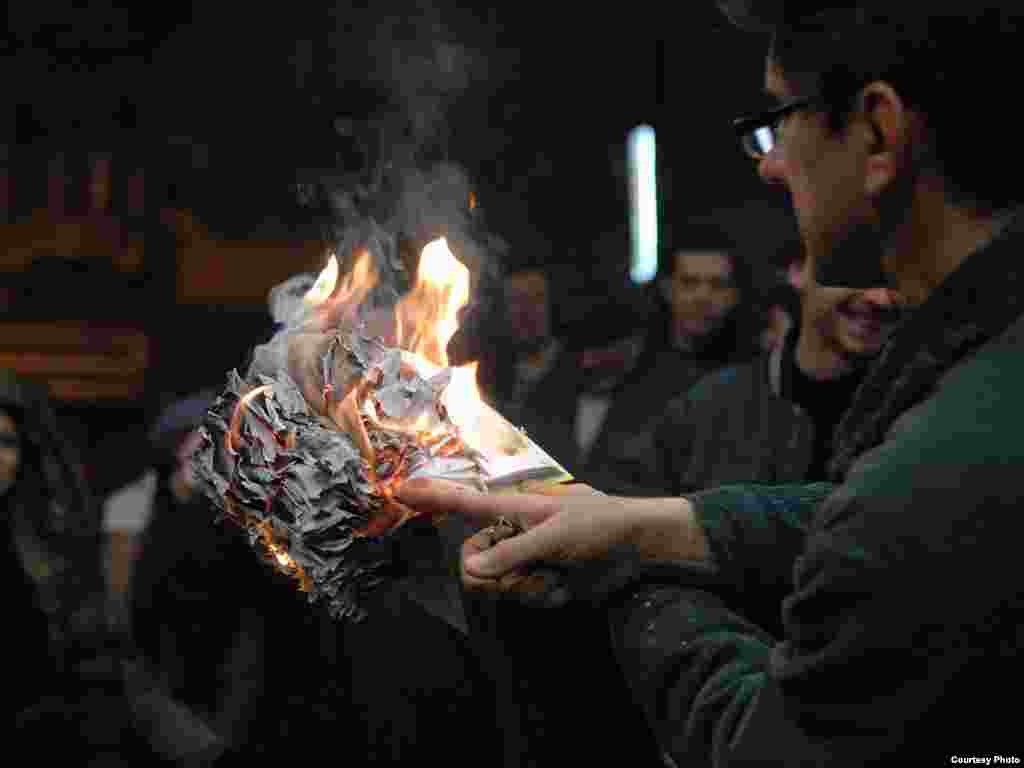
pixel 348 400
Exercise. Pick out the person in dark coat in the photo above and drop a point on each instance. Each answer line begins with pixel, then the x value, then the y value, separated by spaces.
pixel 76 694
pixel 593 400
pixel 703 320
pixel 201 633
pixel 51 545
pixel 900 616
pixel 772 420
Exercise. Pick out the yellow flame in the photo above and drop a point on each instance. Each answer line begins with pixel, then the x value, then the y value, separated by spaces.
pixel 234 436
pixel 427 317
pixel 324 285
pixel 462 399
pixel 282 557
pixel 359 281
pixel 425 320
pixel 334 291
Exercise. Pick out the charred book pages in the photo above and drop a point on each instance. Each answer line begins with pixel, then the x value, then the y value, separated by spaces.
pixel 352 397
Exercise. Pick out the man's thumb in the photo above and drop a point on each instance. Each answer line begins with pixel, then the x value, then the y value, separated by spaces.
pixel 516 553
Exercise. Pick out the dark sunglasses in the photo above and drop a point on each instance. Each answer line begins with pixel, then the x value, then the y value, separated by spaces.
pixel 760 134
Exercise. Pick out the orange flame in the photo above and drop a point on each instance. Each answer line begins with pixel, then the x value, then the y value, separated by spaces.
pixel 424 322
pixel 233 438
pixel 338 298
pixel 427 317
pixel 281 557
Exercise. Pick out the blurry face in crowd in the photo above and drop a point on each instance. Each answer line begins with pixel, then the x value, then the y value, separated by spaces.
pixel 832 177
pixel 183 482
pixel 703 291
pixel 854 323
pixel 527 304
pixel 10 452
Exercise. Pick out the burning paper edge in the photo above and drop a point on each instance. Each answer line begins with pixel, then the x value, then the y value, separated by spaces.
pixel 543 469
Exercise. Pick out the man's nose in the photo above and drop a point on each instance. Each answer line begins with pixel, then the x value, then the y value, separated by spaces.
pixel 769 168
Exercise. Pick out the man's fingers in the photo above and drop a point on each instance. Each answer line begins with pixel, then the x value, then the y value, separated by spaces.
pixel 481 542
pixel 518 553
pixel 557 489
pixel 436 497
pixel 539 586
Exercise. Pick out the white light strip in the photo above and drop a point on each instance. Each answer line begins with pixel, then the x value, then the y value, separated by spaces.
pixel 643 204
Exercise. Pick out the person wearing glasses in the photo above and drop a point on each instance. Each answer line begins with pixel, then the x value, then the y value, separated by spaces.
pixel 902 611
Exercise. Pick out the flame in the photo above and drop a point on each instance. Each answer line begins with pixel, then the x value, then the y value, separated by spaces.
pixel 338 298
pixel 281 556
pixel 233 438
pixel 322 289
pixel 427 317
pixel 423 323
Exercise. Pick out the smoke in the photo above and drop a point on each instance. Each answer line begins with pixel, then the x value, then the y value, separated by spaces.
pixel 398 70
pixel 399 67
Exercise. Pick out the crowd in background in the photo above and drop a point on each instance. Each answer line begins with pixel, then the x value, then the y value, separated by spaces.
pixel 161 600
pixel 797 490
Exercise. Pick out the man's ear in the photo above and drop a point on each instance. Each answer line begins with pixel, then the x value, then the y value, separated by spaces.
pixel 888 127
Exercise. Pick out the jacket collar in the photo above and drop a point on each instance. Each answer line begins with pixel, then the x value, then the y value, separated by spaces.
pixel 780 361
pixel 975 303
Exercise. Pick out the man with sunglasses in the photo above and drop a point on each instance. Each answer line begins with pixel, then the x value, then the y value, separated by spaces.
pixel 902 611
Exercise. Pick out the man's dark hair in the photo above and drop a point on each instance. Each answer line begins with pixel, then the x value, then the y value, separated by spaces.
pixel 950 62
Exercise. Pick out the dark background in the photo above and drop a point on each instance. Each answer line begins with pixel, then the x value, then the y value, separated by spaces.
pixel 536 105
pixel 227 106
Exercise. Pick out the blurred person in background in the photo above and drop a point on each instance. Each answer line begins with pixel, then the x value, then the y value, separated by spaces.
pixel 531 347
pixel 593 398
pixel 705 319
pixel 559 389
pixel 128 511
pixel 202 636
pixel 52 546
pixel 75 692
pixel 780 294
pixel 771 420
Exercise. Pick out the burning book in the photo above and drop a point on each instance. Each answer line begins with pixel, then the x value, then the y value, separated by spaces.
pixel 342 405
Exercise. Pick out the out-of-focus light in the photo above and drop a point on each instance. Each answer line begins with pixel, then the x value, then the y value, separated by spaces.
pixel 643 204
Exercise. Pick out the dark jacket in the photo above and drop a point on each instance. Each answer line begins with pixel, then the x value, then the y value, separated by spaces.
pixel 735 425
pixel 76 690
pixel 52 529
pixel 623 456
pixel 903 612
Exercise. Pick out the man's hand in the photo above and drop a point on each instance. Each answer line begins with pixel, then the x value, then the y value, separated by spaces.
pixel 562 528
